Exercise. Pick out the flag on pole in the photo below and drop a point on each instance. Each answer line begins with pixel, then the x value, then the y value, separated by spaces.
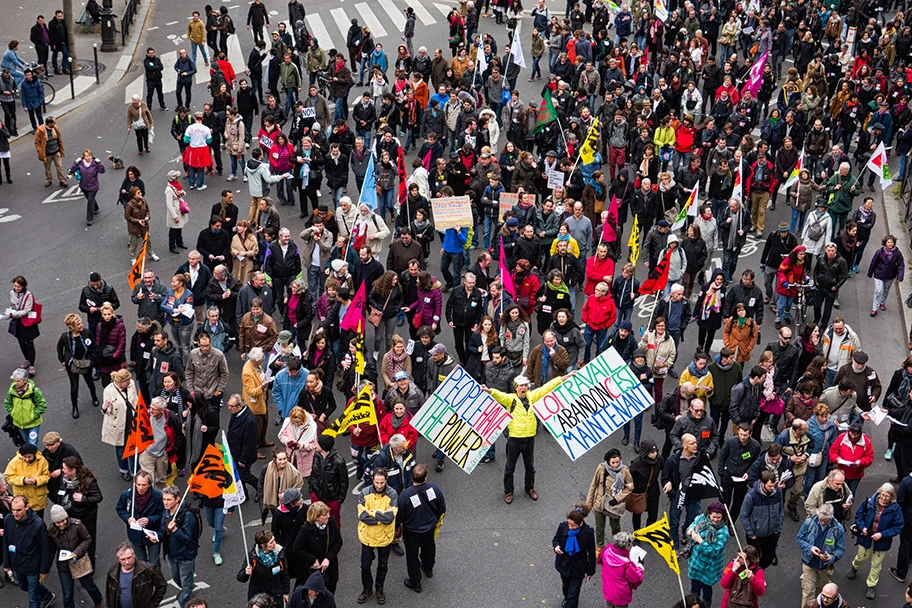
pixel 355 313
pixel 609 232
pixel 738 188
pixel 661 10
pixel 211 478
pixel 633 243
pixel 369 190
pixel 546 114
pixel 590 144
pixel 481 62
pixel 755 80
pixel 403 186
pixel 658 278
pixel 703 483
pixel 613 6
pixel 690 208
pixel 659 536
pixel 879 163
pixel 361 409
pixel 793 176
pixel 516 50
pixel 505 276
pixel 141 435
pixel 234 494
pixel 139 265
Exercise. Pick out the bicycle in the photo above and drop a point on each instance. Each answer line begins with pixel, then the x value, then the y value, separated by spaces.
pixel 49 91
pixel 801 302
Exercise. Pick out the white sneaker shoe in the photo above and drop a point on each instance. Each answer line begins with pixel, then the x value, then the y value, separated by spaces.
pixel 231 178
pixel 154 257
pixel 319 194
pixel 203 187
pixel 245 179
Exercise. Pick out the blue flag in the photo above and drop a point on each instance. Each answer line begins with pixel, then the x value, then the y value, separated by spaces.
pixel 369 188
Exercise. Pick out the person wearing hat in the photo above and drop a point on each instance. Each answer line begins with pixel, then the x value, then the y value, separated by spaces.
pixel 329 477
pixel 522 429
pixel 778 245
pixel 139 120
pixel 28 475
pixel 25 404
pixel 72 536
pixel 403 388
pixel 830 273
pixel 55 450
pixel 867 382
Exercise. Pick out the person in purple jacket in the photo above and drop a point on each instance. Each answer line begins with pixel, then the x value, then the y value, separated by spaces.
pixel 887 266
pixel 87 169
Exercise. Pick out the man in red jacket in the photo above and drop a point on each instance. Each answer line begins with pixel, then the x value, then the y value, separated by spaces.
pixel 599 315
pixel 852 452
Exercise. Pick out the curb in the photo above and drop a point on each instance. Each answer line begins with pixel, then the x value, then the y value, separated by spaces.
pixel 893 219
pixel 120 70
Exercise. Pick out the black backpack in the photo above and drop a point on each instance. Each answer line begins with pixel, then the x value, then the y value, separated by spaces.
pixel 195 512
pixel 230 25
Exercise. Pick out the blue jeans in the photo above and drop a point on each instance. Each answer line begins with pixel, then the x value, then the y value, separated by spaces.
pixel 387 200
pixel 729 262
pixel 552 59
pixel 624 314
pixel 291 96
pixel 600 335
pixel 678 159
pixel 196 177
pixel 341 108
pixel 536 69
pixel 571 587
pixel 367 137
pixel 784 309
pixel 812 476
pixel 149 553
pixel 830 378
pixel 697 588
pixel 215 517
pixel 902 167
pixel 691 510
pixel 637 428
pixel 446 260
pixel 182 574
pixel 365 67
pixel 235 161
pixel 798 218
pixel 65 51
pixel 362 455
pixel 337 194
pixel 202 48
pixel 31 435
pixel 490 224
pixel 129 462
pixel 67 588
pixel 37 593
pixel 314 282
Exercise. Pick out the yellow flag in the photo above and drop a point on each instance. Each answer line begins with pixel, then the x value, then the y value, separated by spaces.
pixel 590 145
pixel 359 354
pixel 633 243
pixel 362 409
pixel 659 536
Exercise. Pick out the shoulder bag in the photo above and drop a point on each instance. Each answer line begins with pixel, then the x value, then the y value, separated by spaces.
pixel 636 502
pixel 81 567
pixel 376 315
pixel 34 317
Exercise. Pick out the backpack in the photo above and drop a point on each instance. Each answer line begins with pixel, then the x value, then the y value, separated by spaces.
pixel 195 512
pixel 815 230
pixel 230 26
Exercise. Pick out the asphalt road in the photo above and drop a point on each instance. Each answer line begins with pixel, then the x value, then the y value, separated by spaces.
pixel 489 553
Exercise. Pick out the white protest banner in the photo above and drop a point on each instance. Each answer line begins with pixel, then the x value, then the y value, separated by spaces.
pixel 462 420
pixel 508 200
pixel 451 212
pixel 592 404
pixel 555 179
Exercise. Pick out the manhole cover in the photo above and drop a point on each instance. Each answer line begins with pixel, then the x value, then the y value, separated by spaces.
pixel 87 68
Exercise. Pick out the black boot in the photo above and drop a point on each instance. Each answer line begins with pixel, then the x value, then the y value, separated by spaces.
pixel 75 411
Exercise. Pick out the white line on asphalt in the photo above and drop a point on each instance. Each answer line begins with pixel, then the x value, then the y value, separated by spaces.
pixel 172 22
pixel 236 55
pixel 315 23
pixel 136 88
pixel 423 15
pixel 80 85
pixel 343 21
pixel 395 15
pixel 152 29
pixel 169 76
pixel 443 8
pixel 370 19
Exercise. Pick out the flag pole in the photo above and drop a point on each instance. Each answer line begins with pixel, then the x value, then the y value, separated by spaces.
pixel 135 465
pixel 681 585
pixel 243 533
pixel 183 498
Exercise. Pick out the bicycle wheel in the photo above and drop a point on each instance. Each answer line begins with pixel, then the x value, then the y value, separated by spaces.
pixel 49 92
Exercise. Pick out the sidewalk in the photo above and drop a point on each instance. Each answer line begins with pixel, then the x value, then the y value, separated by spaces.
pixel 893 212
pixel 115 65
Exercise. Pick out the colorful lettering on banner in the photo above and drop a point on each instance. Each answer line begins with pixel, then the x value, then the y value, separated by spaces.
pixel 593 403
pixel 461 420
pixel 452 212
pixel 508 200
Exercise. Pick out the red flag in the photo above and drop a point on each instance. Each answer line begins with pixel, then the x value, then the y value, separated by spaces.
pixel 505 277
pixel 355 313
pixel 426 161
pixel 141 435
pixel 403 190
pixel 658 278
pixel 609 231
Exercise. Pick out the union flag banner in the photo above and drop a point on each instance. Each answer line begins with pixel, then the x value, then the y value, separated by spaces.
pixel 141 435
pixel 361 409
pixel 355 313
pixel 659 536
pixel 211 478
pixel 658 278
pixel 879 163
pixel 139 266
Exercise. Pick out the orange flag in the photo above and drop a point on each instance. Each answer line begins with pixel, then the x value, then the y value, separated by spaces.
pixel 141 435
pixel 210 478
pixel 136 270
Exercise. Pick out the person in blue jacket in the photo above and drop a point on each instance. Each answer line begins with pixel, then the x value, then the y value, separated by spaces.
pixel 822 543
pixel 178 532
pixel 141 508
pixel 27 551
pixel 454 240
pixel 31 93
pixel 878 520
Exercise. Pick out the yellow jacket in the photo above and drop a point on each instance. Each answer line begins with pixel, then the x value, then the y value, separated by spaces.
pixel 196 31
pixel 377 516
pixel 524 423
pixel 704 385
pixel 664 136
pixel 16 472
pixel 252 389
pixel 572 247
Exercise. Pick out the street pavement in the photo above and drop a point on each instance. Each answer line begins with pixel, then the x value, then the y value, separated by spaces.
pixel 489 553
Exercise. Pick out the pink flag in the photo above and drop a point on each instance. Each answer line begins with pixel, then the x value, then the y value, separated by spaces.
pixel 505 276
pixel 609 232
pixel 755 80
pixel 354 316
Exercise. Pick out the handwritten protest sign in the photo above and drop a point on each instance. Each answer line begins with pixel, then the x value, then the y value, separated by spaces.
pixel 555 179
pixel 450 212
pixel 461 419
pixel 592 404
pixel 508 200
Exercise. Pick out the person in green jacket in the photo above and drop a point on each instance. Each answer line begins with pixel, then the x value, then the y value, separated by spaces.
pixel 522 429
pixel 290 82
pixel 842 188
pixel 25 404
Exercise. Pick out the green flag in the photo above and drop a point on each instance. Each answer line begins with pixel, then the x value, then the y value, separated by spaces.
pixel 546 114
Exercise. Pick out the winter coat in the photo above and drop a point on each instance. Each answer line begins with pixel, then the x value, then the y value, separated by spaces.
pixel 16 472
pixel 524 423
pixel 889 525
pixel 582 563
pixel 755 587
pixel 602 483
pixel 88 175
pixel 830 273
pixel 843 451
pixel 599 312
pixel 708 559
pixel 659 355
pixel 74 538
pixel 234 135
pixel 620 576
pixel 154 511
pixel 148 587
pixel 723 383
pixel 259 176
pixel 268 580
pixel 31 94
pixel 741 338
pixel 31 554
pixel 885 268
pixel 117 338
pixel 849 345
pixel 736 459
pixel 829 538
pixel 172 209
pixel 745 402
pixel 26 409
pixel 823 218
pixel 704 429
pixel 377 516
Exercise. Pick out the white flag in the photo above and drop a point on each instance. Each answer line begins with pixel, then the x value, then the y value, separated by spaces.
pixel 481 64
pixel 516 51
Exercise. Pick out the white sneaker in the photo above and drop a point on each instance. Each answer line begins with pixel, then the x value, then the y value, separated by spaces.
pixel 231 178
pixel 319 194
pixel 245 179
pixel 154 257
pixel 203 187
pixel 217 559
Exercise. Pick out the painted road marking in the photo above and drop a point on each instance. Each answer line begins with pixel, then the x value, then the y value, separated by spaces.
pixel 423 15
pixel 370 19
pixel 318 30
pixel 397 17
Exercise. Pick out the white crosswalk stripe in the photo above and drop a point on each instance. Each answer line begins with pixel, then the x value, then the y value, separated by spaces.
pixel 396 15
pixel 236 56
pixel 169 79
pixel 423 15
pixel 343 21
pixel 443 8
pixel 317 29
pixel 136 87
pixel 370 20
pixel 81 84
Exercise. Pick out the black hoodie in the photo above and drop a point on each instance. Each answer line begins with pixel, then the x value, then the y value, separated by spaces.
pixel 642 469
pixel 301 599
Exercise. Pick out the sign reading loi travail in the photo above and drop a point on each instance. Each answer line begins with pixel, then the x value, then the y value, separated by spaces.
pixel 462 420
pixel 592 404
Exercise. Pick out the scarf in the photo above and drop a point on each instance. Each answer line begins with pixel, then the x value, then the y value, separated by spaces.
pixel 106 327
pixel 695 371
pixel 142 500
pixel 770 466
pixel 733 233
pixel 562 288
pixel 741 321
pixel 395 363
pixel 223 208
pixel 617 474
pixel 906 384
pixel 268 558
pixel 888 253
pixel 711 301
pixel 572 547
pixel 724 368
pixel 275 482
pixel 396 421
pixel 864 215
pixel 810 347
pixel 174 395
pixel 317 389
pixel 707 529
pixel 546 359
pixel 179 190
pixel 422 225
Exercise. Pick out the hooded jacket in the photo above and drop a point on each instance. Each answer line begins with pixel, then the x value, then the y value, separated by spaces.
pixel 620 576
pixel 761 514
pixel 315 582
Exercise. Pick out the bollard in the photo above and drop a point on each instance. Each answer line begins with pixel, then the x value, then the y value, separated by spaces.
pixel 72 88
pixel 95 50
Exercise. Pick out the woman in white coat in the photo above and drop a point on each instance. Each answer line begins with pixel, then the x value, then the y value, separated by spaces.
pixel 118 405
pixel 174 194
pixel 493 129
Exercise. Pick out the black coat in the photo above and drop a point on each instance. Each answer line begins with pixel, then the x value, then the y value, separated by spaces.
pixel 55 462
pixel 283 266
pixel 581 564
pixel 329 477
pixel 263 580
pixel 313 544
pixel 464 310
pixel 286 525
pixel 318 405
pixel 204 275
pixel 99 297
pixel 242 437
pixel 215 244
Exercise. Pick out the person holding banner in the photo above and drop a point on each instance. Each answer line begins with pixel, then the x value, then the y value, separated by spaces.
pixel 574 548
pixel 178 533
pixel 141 508
pixel 266 569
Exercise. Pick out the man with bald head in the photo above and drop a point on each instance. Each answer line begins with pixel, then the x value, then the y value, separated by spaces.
pixel 829 597
pixel 675 476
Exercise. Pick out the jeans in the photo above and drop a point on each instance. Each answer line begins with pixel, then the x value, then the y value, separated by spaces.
pixel 823 300
pixel 337 194
pixel 153 86
pixel 691 510
pixel 383 334
pixel 623 314
pixel 812 475
pixel 798 217
pixel 65 51
pixel 36 117
pixel 490 225
pixel 515 447
pixel 570 587
pixel 291 96
pixel 314 282
pixel 183 86
pixel 130 462
pixel 193 47
pixel 536 69
pixel 38 594
pixel 196 177
pixel 67 588
pixel 182 574
pixel 367 139
pixel 446 260
pixel 637 428
pixel 600 335
pixel 367 558
pixel 215 517
pixel 697 588
pixel 285 191
pixel 881 292
pixel 238 160
pixel 784 308
pixel 680 158
pixel 149 553
pixel 9 115
pixel 341 108
pixel 387 200
pixel 30 435
pixel 730 262
pixel 902 167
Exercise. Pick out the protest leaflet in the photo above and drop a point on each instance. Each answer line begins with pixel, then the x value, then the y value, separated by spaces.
pixel 592 404
pixel 462 420
pixel 555 179
pixel 508 200
pixel 450 212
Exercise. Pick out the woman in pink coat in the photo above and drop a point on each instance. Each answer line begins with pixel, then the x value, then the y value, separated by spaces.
pixel 299 436
pixel 743 588
pixel 620 575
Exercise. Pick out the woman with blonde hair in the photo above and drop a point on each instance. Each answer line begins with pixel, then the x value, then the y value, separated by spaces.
pixel 111 340
pixel 245 250
pixel 318 544
pixel 118 406
pixel 177 301
pixel 299 436
pixel 76 353
pixel 395 360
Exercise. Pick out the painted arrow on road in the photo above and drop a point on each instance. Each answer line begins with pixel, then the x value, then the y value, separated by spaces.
pixel 58 196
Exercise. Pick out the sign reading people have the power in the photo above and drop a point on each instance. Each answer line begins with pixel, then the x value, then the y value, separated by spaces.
pixel 462 420
pixel 596 401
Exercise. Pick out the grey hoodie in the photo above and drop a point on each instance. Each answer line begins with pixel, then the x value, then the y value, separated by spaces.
pixel 258 175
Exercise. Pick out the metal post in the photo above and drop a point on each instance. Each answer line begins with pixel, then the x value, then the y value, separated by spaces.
pixel 95 50
pixel 72 88
pixel 108 28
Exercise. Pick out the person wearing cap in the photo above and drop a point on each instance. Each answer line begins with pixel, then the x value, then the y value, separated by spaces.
pixel 25 404
pixel 778 245
pixel 28 475
pixel 139 120
pixel 867 382
pixel 55 450
pixel 71 535
pixel 830 273
pixel 841 190
pixel 522 429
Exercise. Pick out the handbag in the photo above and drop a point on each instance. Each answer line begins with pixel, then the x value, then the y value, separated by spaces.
pixel 416 320
pixel 636 502
pixel 81 366
pixel 665 153
pixel 81 567
pixel 34 317
pixel 774 407
pixel 139 124
pixel 376 315
pixel 182 206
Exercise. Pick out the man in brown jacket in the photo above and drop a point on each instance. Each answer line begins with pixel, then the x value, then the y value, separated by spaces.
pixel 257 329
pixel 147 586
pixel 557 363
pixel 136 212
pixel 49 145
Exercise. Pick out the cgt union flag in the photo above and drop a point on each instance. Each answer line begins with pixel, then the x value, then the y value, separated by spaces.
pixel 879 163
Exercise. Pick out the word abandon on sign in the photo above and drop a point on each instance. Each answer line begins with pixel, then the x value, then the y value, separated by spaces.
pixel 462 420
pixel 595 402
